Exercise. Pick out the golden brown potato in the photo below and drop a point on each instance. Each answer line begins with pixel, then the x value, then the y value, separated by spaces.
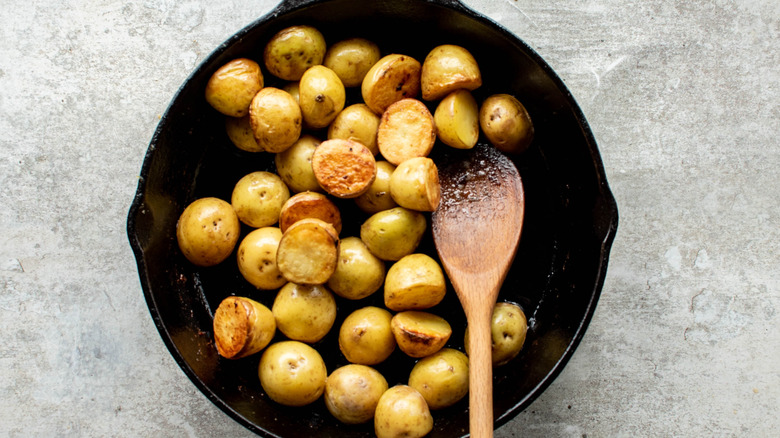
pixel 420 334
pixel 294 165
pixel 232 87
pixel 258 198
pixel 506 123
pixel 356 122
pixel 308 252
pixel 343 168
pixel 508 329
pixel 293 50
pixel 242 327
pixel 442 378
pixel 365 336
pixel 351 59
pixel 257 258
pixel 239 131
pixel 207 231
pixel 405 131
pixel 304 313
pixel 415 282
pixel 392 234
pixel 352 393
pixel 276 119
pixel 309 204
pixel 292 373
pixel 358 272
pixel 392 78
pixel 402 413
pixel 457 120
pixel 321 96
pixel 446 68
pixel 415 184
pixel 377 197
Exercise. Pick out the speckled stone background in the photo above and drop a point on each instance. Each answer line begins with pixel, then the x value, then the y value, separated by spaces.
pixel 682 96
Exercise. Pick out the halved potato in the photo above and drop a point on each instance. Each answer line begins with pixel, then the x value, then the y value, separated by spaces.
pixel 415 184
pixel 392 78
pixel 242 327
pixel 446 68
pixel 377 198
pixel 276 119
pixel 415 282
pixel 232 87
pixel 406 131
pixel 343 168
pixel 308 252
pixel 420 334
pixel 457 120
pixel 309 204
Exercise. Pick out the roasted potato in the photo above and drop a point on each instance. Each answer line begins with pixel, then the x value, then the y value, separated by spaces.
pixel 406 131
pixel 447 68
pixel 294 165
pixel 359 273
pixel 239 131
pixel 392 78
pixel 365 336
pixel 420 334
pixel 377 198
pixel 508 329
pixel 232 87
pixel 457 120
pixel 242 327
pixel 352 393
pixel 343 168
pixel 442 378
pixel 402 413
pixel 414 282
pixel 415 184
pixel 294 90
pixel 356 122
pixel 392 234
pixel 321 96
pixel 293 50
pixel 257 258
pixel 258 198
pixel 275 118
pixel 308 251
pixel 304 313
pixel 292 373
pixel 309 204
pixel 207 231
pixel 351 59
pixel 506 123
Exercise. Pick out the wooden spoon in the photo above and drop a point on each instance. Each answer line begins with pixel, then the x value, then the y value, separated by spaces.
pixel 476 230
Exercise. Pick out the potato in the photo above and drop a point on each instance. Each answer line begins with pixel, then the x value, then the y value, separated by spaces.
pixel 415 184
pixel 358 272
pixel 442 378
pixel 392 78
pixel 447 68
pixel 294 165
pixel 292 373
pixel 402 413
pixel 414 282
pixel 352 393
pixel 207 231
pixel 343 168
pixel 321 96
pixel 405 131
pixel 294 90
pixel 242 327
pixel 257 258
pixel 258 198
pixel 420 334
pixel 239 131
pixel 365 336
pixel 293 50
pixel 232 87
pixel 308 252
pixel 356 122
pixel 508 328
pixel 304 313
pixel 351 59
pixel 394 233
pixel 457 120
pixel 309 204
pixel 275 118
pixel 377 197
pixel 506 123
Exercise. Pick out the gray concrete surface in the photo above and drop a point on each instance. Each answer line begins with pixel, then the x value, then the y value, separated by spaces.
pixel 682 96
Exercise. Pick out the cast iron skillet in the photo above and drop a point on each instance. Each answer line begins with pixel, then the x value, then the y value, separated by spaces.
pixel 557 276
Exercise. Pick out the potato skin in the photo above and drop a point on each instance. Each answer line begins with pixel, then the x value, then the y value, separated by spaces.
pixel 358 272
pixel 442 378
pixel 506 123
pixel 352 393
pixel 321 96
pixel 420 334
pixel 415 184
pixel 351 59
pixel 446 68
pixel 292 373
pixel 294 165
pixel 378 198
pixel 232 87
pixel 257 258
pixel 258 198
pixel 414 282
pixel 356 122
pixel 365 336
pixel 402 413
pixel 207 231
pixel 291 51
pixel 239 131
pixel 394 233
pixel 304 313
pixel 392 78
pixel 457 120
pixel 242 327
pixel 508 329
pixel 275 118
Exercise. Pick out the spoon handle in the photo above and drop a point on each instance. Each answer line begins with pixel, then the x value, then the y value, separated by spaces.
pixel 480 374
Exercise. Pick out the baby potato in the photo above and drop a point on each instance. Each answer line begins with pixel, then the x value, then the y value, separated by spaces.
pixel 293 50
pixel 232 87
pixel 402 412
pixel 414 282
pixel 392 78
pixel 294 165
pixel 351 59
pixel 207 231
pixel 446 68
pixel 321 96
pixel 343 168
pixel 415 184
pixel 257 258
pixel 275 118
pixel 239 131
pixel 442 378
pixel 294 90
pixel 258 198
pixel 242 327
pixel 406 131
pixel 308 251
pixel 292 373
pixel 356 122
pixel 365 336
pixel 508 328
pixel 420 334
pixel 506 123
pixel 352 393
pixel 304 313
pixel 309 204
pixel 457 120
pixel 377 197
pixel 394 233
pixel 358 272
